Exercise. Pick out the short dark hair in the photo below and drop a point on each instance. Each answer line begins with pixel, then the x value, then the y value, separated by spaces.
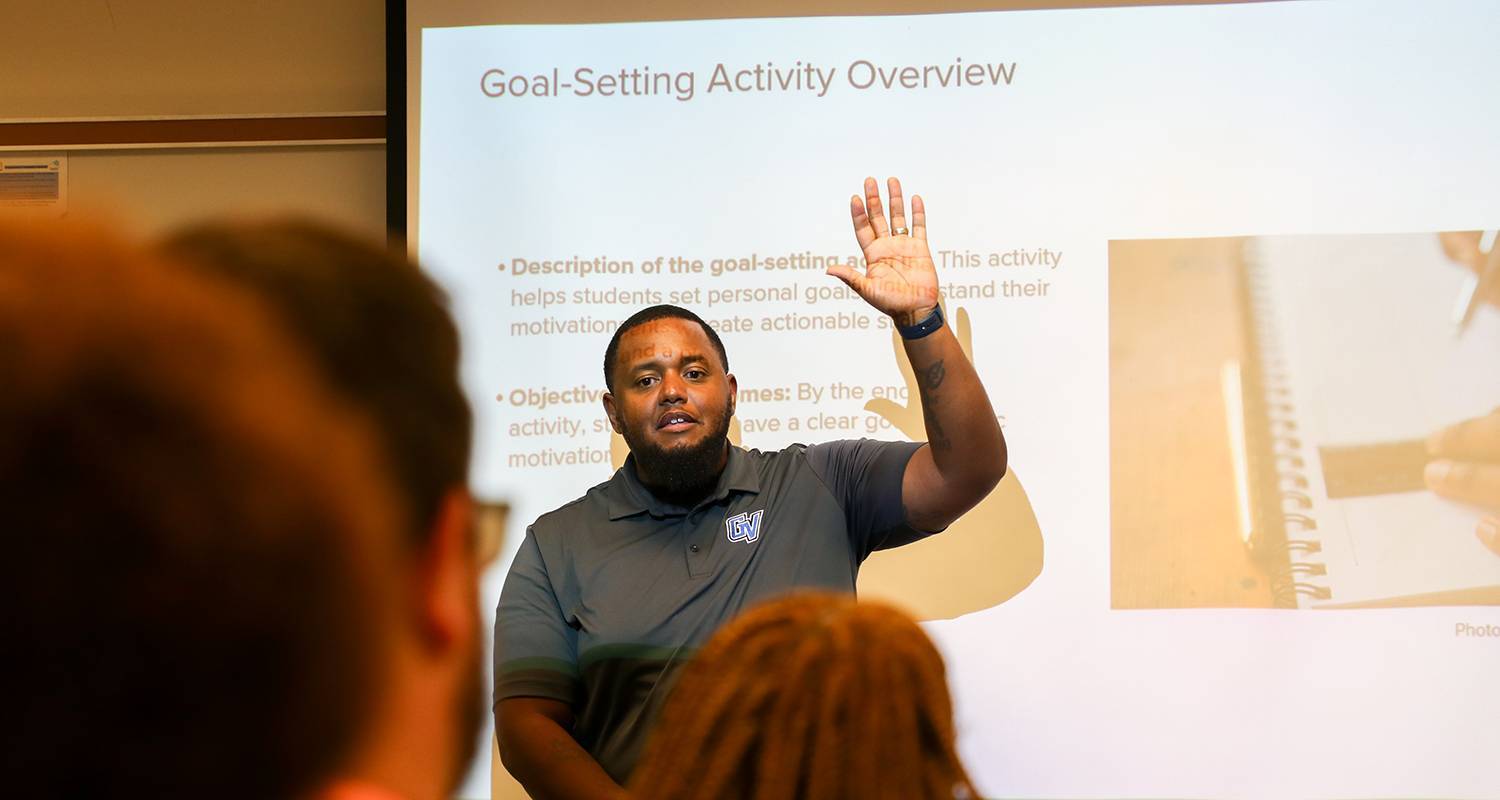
pixel 809 695
pixel 195 536
pixel 651 314
pixel 374 323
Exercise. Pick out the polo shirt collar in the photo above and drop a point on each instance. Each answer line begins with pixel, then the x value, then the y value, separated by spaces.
pixel 628 496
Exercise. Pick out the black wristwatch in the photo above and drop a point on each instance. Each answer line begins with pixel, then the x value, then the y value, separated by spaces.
pixel 926 325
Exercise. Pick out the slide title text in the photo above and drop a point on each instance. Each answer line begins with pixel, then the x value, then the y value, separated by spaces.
pixel 722 79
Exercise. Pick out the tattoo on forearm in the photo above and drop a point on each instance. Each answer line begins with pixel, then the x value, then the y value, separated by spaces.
pixel 932 378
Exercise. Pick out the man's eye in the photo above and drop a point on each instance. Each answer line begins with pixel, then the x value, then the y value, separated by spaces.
pixel 646 380
pixel 695 373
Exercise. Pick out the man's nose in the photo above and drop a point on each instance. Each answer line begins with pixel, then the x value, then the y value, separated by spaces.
pixel 672 389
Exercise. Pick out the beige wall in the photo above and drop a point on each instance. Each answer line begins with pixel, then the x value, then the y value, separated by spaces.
pixel 71 58
pixel 151 191
pixel 67 59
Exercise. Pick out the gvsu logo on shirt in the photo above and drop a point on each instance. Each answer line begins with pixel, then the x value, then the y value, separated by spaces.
pixel 744 527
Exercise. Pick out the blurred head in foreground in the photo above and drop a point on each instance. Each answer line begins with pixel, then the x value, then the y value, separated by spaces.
pixel 379 332
pixel 375 327
pixel 198 542
pixel 812 697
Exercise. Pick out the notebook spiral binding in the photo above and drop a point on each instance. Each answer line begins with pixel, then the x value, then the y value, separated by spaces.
pixel 1284 534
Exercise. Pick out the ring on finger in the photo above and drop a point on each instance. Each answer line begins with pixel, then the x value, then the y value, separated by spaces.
pixel 901 231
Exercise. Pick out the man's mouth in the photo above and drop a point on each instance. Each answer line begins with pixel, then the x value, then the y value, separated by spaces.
pixel 673 421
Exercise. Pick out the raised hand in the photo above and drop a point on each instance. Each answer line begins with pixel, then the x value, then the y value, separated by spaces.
pixel 899 279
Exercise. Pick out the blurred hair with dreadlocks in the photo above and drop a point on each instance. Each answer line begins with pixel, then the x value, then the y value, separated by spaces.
pixel 811 697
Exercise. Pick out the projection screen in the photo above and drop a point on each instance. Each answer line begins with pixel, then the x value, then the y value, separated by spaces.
pixel 1212 263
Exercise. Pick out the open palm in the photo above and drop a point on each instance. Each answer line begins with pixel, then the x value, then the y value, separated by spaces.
pixel 899 277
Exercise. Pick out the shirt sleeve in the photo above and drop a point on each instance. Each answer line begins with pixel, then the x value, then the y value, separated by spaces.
pixel 865 476
pixel 535 649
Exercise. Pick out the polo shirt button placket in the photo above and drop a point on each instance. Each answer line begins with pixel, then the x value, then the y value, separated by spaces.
pixel 697 551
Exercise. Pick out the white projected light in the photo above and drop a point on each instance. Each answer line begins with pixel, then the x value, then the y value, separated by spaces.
pixel 1120 202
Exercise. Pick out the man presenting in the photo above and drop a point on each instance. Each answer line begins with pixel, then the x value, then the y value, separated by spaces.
pixel 609 594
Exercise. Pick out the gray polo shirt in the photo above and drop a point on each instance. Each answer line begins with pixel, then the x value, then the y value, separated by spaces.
pixel 610 594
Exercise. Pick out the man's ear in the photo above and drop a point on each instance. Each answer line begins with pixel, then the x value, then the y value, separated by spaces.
pixel 734 391
pixel 613 413
pixel 448 581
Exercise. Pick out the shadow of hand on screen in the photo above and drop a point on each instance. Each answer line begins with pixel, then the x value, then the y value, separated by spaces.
pixel 985 558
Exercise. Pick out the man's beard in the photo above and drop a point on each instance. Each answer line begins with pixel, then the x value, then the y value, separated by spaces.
pixel 681 475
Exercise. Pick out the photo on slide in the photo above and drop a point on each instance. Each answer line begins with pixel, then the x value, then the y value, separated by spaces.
pixel 1305 421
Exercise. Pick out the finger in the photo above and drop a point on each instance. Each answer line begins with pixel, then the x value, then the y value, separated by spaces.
pixel 1462 480
pixel 898 209
pixel 888 410
pixel 965 334
pixel 877 212
pixel 918 218
pixel 1491 262
pixel 903 363
pixel 850 276
pixel 1489 533
pixel 1462 246
pixel 1475 439
pixel 863 232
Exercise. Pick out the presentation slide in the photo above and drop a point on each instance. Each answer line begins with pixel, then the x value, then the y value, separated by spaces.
pixel 1214 267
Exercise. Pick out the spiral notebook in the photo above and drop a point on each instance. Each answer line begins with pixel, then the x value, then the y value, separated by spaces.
pixel 1353 361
